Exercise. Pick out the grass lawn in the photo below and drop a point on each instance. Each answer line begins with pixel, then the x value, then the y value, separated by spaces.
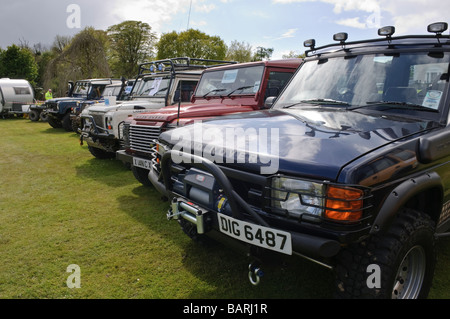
pixel 61 206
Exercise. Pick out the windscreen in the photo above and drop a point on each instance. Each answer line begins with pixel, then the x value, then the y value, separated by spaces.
pixel 111 91
pixel 418 79
pixel 81 89
pixel 238 81
pixel 153 87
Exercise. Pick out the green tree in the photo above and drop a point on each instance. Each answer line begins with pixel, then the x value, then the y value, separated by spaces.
pixel 85 57
pixel 191 43
pixel 42 59
pixel 132 43
pixel 263 54
pixel 239 51
pixel 18 63
pixel 293 54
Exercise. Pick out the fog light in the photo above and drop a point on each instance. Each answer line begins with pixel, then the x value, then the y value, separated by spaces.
pixel 386 31
pixel 438 27
pixel 311 43
pixel 342 37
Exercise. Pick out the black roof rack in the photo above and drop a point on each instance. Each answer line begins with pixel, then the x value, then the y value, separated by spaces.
pixel 438 28
pixel 178 64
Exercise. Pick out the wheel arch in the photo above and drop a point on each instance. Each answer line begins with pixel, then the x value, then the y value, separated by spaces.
pixel 424 193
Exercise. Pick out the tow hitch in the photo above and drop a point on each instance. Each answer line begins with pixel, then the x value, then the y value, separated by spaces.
pixel 255 273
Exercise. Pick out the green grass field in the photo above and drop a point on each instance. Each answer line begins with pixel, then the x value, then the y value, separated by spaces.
pixel 61 206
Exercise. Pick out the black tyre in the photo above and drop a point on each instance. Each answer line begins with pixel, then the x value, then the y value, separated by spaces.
pixel 141 175
pixel 75 125
pixel 67 123
pixel 34 116
pixel 405 257
pixel 101 154
pixel 44 117
pixel 55 123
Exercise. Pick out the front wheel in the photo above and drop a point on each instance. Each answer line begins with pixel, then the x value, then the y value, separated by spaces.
pixel 67 123
pixel 141 175
pixel 76 125
pixel 44 117
pixel 55 123
pixel 396 265
pixel 34 115
pixel 101 154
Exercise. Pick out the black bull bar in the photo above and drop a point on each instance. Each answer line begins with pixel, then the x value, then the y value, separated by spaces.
pixel 302 244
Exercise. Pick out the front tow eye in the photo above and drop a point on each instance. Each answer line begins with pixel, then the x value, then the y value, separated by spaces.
pixel 255 274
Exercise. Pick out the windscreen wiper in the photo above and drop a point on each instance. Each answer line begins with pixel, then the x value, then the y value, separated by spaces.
pixel 398 105
pixel 318 101
pixel 213 91
pixel 240 89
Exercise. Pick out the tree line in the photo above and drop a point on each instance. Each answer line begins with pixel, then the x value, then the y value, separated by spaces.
pixel 114 53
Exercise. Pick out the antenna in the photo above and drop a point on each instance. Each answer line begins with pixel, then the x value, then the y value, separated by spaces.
pixel 189 16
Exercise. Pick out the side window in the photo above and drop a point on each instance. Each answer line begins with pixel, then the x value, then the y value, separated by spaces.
pixel 2 100
pixel 187 89
pixel 96 92
pixel 276 83
pixel 22 90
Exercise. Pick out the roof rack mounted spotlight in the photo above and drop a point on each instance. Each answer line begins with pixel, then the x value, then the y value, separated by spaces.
pixel 438 27
pixel 341 37
pixel 387 31
pixel 154 68
pixel 311 43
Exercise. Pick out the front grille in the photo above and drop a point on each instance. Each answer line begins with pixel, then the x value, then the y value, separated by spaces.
pixel 51 106
pixel 99 121
pixel 142 137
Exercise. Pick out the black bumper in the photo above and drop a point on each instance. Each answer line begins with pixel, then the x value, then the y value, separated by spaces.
pixel 303 244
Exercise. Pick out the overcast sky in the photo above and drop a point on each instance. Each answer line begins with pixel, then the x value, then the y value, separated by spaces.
pixel 279 24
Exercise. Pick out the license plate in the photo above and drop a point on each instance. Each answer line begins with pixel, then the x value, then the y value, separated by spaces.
pixel 142 163
pixel 260 236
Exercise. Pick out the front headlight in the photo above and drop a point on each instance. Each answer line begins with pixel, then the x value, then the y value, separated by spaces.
pixel 126 134
pixel 297 197
pixel 108 122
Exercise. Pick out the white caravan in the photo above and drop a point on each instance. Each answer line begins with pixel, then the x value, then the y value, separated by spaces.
pixel 15 96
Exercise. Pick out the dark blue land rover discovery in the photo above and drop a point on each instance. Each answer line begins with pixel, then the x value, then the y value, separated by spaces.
pixel 350 167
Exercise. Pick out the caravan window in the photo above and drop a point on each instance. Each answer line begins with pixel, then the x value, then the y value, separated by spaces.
pixel 22 90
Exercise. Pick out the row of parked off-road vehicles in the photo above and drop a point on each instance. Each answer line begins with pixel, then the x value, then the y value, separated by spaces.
pixel 342 157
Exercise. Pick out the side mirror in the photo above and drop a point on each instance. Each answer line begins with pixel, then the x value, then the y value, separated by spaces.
pixel 269 102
